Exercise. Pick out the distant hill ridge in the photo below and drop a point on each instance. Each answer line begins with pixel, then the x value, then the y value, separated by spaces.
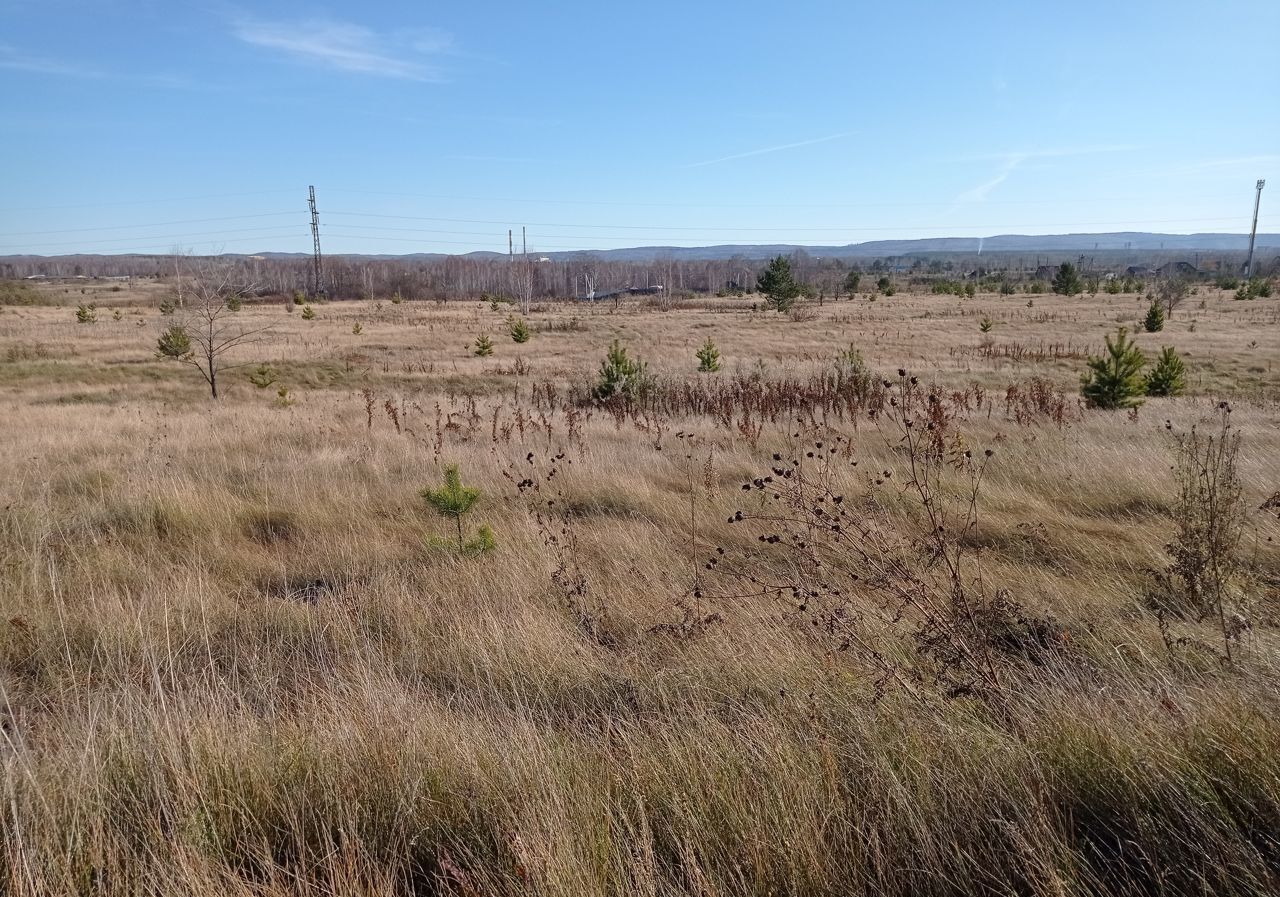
pixel 1122 241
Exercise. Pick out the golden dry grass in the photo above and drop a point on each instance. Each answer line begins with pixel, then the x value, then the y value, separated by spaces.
pixel 234 658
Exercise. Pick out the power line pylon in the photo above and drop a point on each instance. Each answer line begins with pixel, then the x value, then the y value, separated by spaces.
pixel 1253 231
pixel 318 285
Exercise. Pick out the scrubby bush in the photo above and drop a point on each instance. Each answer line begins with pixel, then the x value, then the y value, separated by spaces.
pixel 299 297
pixel 308 313
pixel 357 328
pixel 87 314
pixel 483 346
pixel 986 324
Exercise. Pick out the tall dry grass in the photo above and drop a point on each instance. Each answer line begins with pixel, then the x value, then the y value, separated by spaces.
pixel 234 661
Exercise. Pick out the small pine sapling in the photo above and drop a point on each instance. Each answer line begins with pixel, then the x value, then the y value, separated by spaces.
pixel 483 346
pixel 1115 379
pixel 620 375
pixel 263 376
pixel 308 313
pixel 174 343
pixel 520 332
pixel 1154 321
pixel 455 500
pixel 1168 377
pixel 357 328
pixel 87 314
pixel 708 358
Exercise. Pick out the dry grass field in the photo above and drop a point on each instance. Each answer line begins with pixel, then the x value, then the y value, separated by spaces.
pixel 238 654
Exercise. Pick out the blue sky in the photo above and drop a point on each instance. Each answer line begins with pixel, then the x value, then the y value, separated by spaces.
pixel 140 126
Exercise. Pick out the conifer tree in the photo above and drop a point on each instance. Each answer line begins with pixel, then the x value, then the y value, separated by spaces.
pixel 1115 379
pixel 1169 375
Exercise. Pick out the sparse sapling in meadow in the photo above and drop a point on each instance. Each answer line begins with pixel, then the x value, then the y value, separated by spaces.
pixel 455 501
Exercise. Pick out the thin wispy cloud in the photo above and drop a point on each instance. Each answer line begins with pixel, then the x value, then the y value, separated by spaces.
pixel 1259 162
pixel 1053 152
pixel 12 59
pixel 1012 160
pixel 348 47
pixel 766 150
pixel 16 61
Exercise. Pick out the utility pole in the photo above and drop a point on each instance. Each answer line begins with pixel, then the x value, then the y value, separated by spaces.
pixel 1253 232
pixel 318 286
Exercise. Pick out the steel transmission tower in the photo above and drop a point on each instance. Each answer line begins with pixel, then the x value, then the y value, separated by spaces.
pixel 1253 231
pixel 318 287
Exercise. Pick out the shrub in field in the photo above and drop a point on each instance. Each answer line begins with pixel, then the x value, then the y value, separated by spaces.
pixel 455 501
pixel 117 316
pixel 15 292
pixel 87 314
pixel 299 297
pixel 1168 376
pixel 1154 321
pixel 235 302
pixel 308 313
pixel 1115 379
pixel 986 324
pixel 1170 292
pixel 708 357
pixel 1067 282
pixel 778 285
pixel 520 332
pixel 483 346
pixel 357 328
pixel 1254 288
pixel 1204 568
pixel 396 299
pixel 851 281
pixel 284 398
pixel 621 375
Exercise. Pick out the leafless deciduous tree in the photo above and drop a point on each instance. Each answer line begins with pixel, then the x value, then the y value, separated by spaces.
pixel 1171 291
pixel 208 331
pixel 523 278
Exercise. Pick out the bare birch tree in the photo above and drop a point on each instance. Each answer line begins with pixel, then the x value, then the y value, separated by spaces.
pixel 208 331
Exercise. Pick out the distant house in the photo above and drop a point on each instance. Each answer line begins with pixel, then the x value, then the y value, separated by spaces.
pixel 1138 271
pixel 1177 269
pixel 624 291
